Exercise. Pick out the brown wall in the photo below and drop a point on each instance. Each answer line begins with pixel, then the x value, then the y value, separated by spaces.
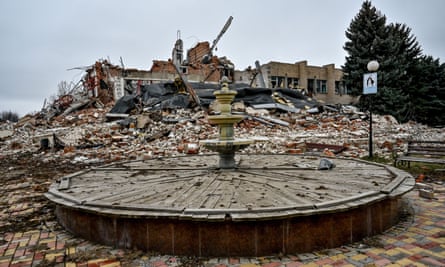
pixel 303 72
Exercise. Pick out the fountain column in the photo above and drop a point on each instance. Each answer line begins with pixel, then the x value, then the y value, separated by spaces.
pixel 226 144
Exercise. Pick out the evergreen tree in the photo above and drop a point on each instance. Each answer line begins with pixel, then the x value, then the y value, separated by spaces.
pixel 427 98
pixel 367 34
pixel 410 86
pixel 398 60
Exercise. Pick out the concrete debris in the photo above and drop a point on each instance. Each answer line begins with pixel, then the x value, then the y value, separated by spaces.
pixel 425 190
pixel 89 134
pixel 5 133
pixel 326 164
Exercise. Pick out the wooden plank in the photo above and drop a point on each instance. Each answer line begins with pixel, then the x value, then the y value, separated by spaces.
pixel 274 189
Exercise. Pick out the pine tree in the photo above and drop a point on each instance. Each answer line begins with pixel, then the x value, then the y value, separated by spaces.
pixel 398 61
pixel 367 34
pixel 410 85
pixel 427 97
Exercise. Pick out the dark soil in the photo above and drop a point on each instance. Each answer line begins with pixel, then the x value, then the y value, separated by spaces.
pixel 24 178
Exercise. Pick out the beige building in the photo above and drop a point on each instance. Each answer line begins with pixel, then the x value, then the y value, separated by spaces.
pixel 322 83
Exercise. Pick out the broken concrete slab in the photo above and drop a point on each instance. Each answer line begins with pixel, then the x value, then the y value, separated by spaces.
pixel 6 133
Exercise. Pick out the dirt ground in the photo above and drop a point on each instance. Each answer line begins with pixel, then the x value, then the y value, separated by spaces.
pixel 24 178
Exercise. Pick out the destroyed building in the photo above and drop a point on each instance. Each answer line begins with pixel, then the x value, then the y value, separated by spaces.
pixel 323 83
pixel 189 78
pixel 199 65
pixel 200 71
pixel 171 83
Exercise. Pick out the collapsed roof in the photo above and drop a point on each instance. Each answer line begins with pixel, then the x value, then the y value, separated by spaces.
pixel 171 95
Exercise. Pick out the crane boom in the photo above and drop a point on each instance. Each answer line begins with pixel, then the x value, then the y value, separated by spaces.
pixel 224 29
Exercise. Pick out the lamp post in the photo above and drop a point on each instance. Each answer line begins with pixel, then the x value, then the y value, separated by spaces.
pixel 370 87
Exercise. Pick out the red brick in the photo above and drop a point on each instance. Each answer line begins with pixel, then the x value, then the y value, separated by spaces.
pixel 51 245
pixel 431 262
pixel 430 245
pixel 60 245
pixel 157 264
pixel 416 257
pixel 382 262
pixel 374 256
pixel 39 256
pixel 44 235
pixel 324 261
pixel 233 261
pixel 19 253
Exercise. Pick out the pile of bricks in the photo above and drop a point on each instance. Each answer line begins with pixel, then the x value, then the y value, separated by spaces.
pixel 88 136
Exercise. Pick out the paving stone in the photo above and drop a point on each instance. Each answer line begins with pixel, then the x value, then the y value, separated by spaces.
pixel 294 264
pixel 355 263
pixel 431 262
pixel 307 256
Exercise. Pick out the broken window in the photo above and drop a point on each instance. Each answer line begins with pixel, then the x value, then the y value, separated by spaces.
pixel 283 82
pixel 183 69
pixel 341 88
pixel 338 88
pixel 292 82
pixel 322 87
pixel 310 86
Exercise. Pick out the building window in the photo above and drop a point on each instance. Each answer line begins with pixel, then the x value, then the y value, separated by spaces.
pixel 321 87
pixel 292 83
pixel 310 87
pixel 276 81
pixel 338 88
pixel 283 82
pixel 273 81
pixel 341 89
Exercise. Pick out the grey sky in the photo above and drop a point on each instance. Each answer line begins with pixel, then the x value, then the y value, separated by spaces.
pixel 41 40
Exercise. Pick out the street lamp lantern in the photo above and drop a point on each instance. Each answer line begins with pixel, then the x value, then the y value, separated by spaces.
pixel 373 65
pixel 370 87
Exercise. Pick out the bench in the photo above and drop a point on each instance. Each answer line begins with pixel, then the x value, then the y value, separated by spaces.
pixel 422 151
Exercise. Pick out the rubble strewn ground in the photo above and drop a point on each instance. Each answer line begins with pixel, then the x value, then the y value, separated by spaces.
pixel 35 152
pixel 88 134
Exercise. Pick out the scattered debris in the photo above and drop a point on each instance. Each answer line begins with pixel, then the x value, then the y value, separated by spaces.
pixel 326 164
pixel 425 190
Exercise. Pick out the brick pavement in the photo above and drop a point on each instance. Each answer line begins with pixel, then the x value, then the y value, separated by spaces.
pixel 418 240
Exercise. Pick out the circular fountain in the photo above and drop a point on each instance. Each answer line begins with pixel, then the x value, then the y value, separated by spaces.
pixel 230 204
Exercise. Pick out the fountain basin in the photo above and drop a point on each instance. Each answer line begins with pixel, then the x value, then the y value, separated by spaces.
pixel 270 204
pixel 225 119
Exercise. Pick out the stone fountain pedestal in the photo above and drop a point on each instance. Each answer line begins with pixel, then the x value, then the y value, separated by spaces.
pixel 226 145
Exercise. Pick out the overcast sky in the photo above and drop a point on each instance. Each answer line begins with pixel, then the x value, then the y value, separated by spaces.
pixel 41 40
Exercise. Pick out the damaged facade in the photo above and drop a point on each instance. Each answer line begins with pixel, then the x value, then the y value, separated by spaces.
pixel 171 83
pixel 323 83
pixel 119 81
pixel 198 66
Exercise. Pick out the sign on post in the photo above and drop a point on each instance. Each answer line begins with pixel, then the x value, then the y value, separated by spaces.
pixel 370 83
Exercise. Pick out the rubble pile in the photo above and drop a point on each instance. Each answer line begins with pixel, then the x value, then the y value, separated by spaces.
pixel 88 136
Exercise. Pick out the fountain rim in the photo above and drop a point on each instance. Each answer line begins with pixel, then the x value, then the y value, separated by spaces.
pixel 399 185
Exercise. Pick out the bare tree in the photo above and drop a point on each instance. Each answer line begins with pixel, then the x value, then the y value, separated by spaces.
pixel 9 116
